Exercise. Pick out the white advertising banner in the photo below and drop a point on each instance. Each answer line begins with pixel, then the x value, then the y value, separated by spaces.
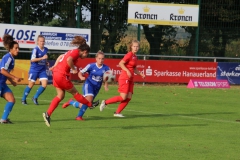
pixel 162 14
pixel 56 38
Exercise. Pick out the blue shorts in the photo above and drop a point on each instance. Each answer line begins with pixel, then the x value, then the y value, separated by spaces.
pixel 33 76
pixel 4 89
pixel 89 90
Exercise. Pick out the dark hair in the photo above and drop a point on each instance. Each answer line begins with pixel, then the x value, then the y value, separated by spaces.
pixel 81 43
pixel 8 42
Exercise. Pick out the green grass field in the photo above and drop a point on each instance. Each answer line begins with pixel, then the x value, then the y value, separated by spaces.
pixel 167 122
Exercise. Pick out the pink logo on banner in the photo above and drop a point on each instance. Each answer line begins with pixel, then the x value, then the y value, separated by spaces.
pixel 201 83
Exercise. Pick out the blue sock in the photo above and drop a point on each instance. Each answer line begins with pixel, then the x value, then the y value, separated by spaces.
pixel 82 110
pixel 25 93
pixel 74 104
pixel 7 110
pixel 39 92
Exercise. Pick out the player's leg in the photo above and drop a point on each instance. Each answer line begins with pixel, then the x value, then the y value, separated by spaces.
pixel 125 102
pixel 31 82
pixel 123 89
pixel 59 82
pixel 89 92
pixel 44 81
pixel 9 97
pixel 53 105
pixel 81 99
pixel 72 102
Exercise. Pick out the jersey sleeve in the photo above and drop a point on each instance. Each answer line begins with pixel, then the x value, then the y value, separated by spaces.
pixel 127 57
pixel 46 50
pixel 5 63
pixel 74 54
pixel 107 68
pixel 34 53
pixel 86 69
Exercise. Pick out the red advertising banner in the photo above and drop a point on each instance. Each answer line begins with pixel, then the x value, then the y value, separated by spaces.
pixel 162 71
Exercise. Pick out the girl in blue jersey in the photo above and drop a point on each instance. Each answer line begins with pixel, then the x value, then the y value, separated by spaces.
pixel 37 70
pixel 7 65
pixel 92 85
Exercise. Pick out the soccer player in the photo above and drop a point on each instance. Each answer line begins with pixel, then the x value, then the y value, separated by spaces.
pixel 7 65
pixel 125 81
pixel 92 85
pixel 61 74
pixel 37 70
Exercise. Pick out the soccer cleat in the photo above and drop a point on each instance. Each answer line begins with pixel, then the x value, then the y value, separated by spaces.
pixel 5 121
pixel 102 105
pixel 35 101
pixel 24 102
pixel 94 104
pixel 46 118
pixel 79 118
pixel 118 115
pixel 66 104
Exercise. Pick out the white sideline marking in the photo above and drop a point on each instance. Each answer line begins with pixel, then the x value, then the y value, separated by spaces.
pixel 191 117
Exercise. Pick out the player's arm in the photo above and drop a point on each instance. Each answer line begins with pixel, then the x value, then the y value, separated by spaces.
pixel 81 76
pixel 84 71
pixel 71 65
pixel 57 61
pixel 136 71
pixel 34 56
pixel 10 76
pixel 122 65
pixel 106 86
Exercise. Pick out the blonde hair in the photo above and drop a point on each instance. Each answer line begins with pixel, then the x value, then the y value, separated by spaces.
pixel 131 44
pixel 99 53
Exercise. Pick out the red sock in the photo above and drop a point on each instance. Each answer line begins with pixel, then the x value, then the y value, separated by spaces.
pixel 122 105
pixel 53 105
pixel 82 99
pixel 114 100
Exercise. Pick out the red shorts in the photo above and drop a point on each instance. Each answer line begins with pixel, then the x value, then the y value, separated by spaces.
pixel 62 81
pixel 125 86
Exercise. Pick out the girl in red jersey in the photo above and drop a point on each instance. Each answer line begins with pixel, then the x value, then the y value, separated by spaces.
pixel 125 80
pixel 61 74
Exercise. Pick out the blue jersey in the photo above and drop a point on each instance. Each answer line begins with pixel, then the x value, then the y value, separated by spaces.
pixel 8 64
pixel 95 74
pixel 40 65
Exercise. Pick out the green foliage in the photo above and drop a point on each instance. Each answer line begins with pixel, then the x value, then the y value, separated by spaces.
pixel 162 122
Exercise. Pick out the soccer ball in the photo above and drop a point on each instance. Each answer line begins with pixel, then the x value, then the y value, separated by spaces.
pixel 108 76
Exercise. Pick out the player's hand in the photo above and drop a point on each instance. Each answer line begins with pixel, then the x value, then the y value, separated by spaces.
pixel 82 78
pixel 142 75
pixel 51 68
pixel 45 57
pixel 14 83
pixel 16 79
pixel 129 74
pixel 106 88
pixel 74 71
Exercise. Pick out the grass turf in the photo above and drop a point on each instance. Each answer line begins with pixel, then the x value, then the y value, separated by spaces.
pixel 162 122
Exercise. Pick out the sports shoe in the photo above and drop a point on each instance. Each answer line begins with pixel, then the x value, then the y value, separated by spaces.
pixel 5 121
pixel 103 105
pixel 79 118
pixel 118 115
pixel 66 104
pixel 94 104
pixel 24 102
pixel 46 118
pixel 35 101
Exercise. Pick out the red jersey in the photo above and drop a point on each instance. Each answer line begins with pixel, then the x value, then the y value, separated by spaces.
pixel 130 60
pixel 62 66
